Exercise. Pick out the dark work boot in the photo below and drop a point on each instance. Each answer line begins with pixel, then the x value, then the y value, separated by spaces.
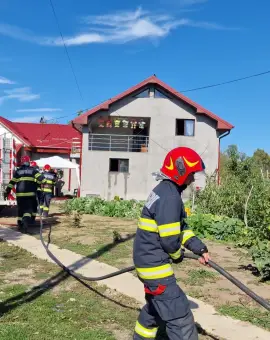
pixel 20 226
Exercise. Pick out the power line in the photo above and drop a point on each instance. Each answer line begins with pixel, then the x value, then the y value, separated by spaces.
pixel 190 90
pixel 65 46
pixel 227 82
pixel 182 91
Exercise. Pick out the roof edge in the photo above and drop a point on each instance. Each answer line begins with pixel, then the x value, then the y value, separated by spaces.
pixel 14 132
pixel 221 123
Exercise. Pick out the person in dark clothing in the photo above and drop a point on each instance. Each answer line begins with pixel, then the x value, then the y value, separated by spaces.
pixel 161 235
pixel 47 189
pixel 25 180
pixel 36 203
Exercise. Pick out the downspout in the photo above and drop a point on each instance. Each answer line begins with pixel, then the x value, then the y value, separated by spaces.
pixel 80 170
pixel 80 162
pixel 219 138
pixel 69 174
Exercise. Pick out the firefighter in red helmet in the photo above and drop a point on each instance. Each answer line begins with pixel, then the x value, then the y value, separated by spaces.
pixel 25 179
pixel 161 235
pixel 47 189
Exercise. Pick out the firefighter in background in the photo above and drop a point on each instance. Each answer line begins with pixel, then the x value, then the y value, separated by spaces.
pixel 34 165
pixel 161 234
pixel 47 189
pixel 25 179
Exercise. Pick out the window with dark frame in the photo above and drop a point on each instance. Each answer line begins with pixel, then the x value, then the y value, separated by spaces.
pixel 159 94
pixel 119 165
pixel 143 94
pixel 185 127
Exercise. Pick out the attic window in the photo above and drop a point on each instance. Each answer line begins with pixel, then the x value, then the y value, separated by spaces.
pixel 143 94
pixel 159 94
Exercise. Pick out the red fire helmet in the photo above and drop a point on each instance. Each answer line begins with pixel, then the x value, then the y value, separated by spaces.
pixel 180 162
pixel 25 159
pixel 47 167
pixel 33 164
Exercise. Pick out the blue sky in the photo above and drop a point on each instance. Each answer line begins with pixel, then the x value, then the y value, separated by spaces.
pixel 116 44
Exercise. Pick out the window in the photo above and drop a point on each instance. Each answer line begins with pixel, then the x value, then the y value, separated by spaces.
pixel 143 94
pixel 159 94
pixel 119 165
pixel 185 127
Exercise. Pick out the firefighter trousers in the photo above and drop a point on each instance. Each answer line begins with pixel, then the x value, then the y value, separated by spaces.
pixel 39 199
pixel 26 211
pixel 45 203
pixel 170 308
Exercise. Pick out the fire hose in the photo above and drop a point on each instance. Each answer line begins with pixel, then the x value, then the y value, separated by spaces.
pixel 211 263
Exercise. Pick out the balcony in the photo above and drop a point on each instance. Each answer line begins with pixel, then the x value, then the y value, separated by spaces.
pixel 75 148
pixel 121 143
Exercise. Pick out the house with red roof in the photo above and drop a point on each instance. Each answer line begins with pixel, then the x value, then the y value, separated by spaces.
pixel 42 141
pixel 125 139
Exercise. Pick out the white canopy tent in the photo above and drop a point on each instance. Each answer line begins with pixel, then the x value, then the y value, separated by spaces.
pixel 57 162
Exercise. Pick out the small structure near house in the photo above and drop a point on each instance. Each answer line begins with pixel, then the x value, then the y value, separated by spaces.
pixel 40 140
pixel 126 138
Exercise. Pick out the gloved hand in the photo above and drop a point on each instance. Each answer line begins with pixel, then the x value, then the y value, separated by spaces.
pixel 181 258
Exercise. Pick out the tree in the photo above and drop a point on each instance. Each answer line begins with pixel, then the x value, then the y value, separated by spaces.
pixel 262 160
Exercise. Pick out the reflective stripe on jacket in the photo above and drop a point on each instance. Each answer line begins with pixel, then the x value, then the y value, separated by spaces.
pixel 50 180
pixel 26 179
pixel 161 233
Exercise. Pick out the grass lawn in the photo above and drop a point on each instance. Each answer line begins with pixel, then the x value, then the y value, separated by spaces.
pixel 40 302
pixel 62 309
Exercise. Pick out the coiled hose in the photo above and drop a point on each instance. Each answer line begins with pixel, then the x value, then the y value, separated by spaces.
pixel 212 264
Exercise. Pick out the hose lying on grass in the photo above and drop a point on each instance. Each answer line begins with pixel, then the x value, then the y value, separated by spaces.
pixel 212 264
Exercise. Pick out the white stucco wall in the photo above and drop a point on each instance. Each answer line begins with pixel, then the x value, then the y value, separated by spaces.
pixel 96 178
pixel 4 131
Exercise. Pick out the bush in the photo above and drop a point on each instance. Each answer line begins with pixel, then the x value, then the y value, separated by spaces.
pixel 207 222
pixel 97 206
pixel 240 174
pixel 221 228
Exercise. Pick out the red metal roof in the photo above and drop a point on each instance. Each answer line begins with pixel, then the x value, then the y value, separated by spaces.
pixel 221 124
pixel 42 135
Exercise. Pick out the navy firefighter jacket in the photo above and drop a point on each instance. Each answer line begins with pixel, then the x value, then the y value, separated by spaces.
pixel 161 232
pixel 26 179
pixel 50 181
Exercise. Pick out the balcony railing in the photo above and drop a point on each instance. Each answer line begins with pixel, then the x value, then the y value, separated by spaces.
pixel 123 143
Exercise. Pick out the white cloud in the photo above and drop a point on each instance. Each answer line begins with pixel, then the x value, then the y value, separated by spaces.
pixel 22 94
pixel 120 27
pixel 30 119
pixel 4 80
pixel 45 109
pixel 17 33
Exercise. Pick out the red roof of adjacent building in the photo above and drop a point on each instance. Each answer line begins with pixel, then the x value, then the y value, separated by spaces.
pixel 221 124
pixel 42 135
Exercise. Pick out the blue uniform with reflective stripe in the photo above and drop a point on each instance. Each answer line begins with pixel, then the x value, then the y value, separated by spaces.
pixel 161 233
pixel 26 179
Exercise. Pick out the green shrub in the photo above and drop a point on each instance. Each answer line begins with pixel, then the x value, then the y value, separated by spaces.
pixel 219 227
pixel 242 184
pixel 206 225
pixel 97 206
